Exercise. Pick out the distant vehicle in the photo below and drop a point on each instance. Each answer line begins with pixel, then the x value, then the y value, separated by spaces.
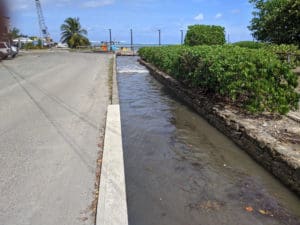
pixel 62 45
pixel 14 51
pixel 5 50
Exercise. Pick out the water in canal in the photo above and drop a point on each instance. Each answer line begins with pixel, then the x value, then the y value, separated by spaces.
pixel 181 171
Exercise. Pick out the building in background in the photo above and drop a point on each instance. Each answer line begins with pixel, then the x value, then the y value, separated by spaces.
pixel 4 22
pixel 4 27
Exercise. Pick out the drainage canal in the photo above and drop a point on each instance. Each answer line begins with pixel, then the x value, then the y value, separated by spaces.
pixel 181 171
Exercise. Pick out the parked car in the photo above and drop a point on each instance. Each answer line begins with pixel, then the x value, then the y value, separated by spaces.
pixel 5 50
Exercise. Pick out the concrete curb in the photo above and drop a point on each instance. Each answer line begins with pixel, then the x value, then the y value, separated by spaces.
pixel 115 92
pixel 112 204
pixel 294 116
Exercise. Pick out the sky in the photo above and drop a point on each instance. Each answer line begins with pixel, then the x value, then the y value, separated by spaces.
pixel 144 17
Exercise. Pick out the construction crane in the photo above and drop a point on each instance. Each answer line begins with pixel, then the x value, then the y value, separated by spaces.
pixel 43 28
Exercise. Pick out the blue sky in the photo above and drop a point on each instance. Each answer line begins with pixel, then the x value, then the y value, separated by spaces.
pixel 145 17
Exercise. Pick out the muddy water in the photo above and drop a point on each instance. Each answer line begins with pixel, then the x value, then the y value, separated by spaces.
pixel 182 171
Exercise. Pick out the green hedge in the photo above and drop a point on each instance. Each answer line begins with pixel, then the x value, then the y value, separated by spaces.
pixel 250 44
pixel 253 79
pixel 205 35
pixel 282 50
pixel 29 46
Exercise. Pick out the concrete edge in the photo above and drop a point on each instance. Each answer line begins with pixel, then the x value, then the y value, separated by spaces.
pixel 115 92
pixel 272 158
pixel 112 204
pixel 293 116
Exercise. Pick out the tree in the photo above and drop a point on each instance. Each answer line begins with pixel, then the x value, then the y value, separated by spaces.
pixel 14 33
pixel 40 43
pixel 73 34
pixel 205 35
pixel 276 21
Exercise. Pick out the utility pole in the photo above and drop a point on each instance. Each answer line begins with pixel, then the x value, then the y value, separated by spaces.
pixel 228 39
pixel 159 37
pixel 131 40
pixel 181 37
pixel 110 39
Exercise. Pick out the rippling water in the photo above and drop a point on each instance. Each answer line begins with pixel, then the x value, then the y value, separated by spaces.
pixel 182 171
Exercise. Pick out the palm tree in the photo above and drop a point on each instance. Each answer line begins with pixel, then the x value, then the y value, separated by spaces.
pixel 73 34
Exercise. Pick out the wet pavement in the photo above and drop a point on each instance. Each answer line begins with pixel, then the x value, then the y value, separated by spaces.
pixel 180 170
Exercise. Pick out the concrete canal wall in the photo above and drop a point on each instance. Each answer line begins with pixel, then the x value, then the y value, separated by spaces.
pixel 281 159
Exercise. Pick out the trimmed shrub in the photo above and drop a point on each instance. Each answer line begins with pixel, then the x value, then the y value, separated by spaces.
pixel 205 35
pixel 250 44
pixel 282 48
pixel 288 53
pixel 253 79
pixel 29 46
pixel 164 58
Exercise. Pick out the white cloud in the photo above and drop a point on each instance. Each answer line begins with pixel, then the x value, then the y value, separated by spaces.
pixel 19 5
pixel 235 11
pixel 218 16
pixel 62 3
pixel 97 3
pixel 23 5
pixel 199 17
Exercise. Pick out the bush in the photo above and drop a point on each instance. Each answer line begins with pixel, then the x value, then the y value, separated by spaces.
pixel 282 48
pixel 205 35
pixel 28 46
pixel 288 53
pixel 40 43
pixel 253 79
pixel 164 58
pixel 250 44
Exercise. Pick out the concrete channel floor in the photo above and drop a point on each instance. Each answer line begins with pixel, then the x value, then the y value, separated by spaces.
pixel 52 110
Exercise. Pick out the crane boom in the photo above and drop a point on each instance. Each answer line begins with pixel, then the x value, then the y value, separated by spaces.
pixel 43 28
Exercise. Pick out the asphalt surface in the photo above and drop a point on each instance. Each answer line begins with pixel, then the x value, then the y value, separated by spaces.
pixel 52 114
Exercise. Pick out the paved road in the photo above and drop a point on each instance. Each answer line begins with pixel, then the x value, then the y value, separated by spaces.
pixel 52 113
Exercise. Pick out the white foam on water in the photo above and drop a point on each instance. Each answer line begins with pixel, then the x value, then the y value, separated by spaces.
pixel 133 71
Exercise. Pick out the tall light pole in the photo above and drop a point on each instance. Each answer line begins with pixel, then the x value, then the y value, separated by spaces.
pixel 159 37
pixel 181 37
pixel 131 39
pixel 109 39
